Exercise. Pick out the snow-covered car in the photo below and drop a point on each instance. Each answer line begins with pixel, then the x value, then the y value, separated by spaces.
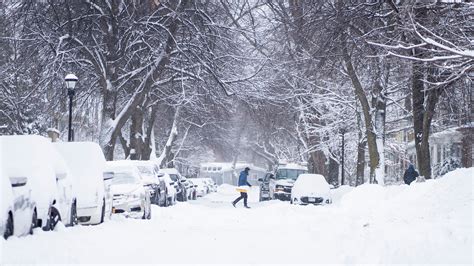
pixel 202 186
pixel 279 185
pixel 171 191
pixel 192 190
pixel 211 184
pixel 66 201
pixel 311 189
pixel 48 176
pixel 130 197
pixel 179 183
pixel 17 210
pixel 86 162
pixel 149 175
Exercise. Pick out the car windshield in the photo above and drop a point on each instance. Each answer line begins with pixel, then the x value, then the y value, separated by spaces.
pixel 124 178
pixel 289 173
pixel 174 177
pixel 145 170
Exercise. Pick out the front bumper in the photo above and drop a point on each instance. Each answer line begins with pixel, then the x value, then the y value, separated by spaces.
pixel 282 196
pixel 89 215
pixel 314 201
pixel 129 207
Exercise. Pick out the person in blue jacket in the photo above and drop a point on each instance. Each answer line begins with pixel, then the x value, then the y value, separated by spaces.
pixel 410 174
pixel 242 187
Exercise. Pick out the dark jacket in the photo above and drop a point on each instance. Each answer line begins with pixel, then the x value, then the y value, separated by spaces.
pixel 410 174
pixel 243 179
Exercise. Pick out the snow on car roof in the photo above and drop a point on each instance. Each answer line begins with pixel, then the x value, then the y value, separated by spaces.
pixel 293 166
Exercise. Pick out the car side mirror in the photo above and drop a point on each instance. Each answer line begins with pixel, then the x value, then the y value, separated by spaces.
pixel 272 177
pixel 108 175
pixel 60 176
pixel 18 181
pixel 260 180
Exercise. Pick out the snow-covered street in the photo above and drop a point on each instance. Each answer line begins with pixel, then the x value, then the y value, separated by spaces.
pixel 428 222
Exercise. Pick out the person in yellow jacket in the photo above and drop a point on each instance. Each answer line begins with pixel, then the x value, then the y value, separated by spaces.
pixel 244 185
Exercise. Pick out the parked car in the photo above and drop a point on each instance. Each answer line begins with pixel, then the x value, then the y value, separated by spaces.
pixel 171 189
pixel 48 177
pixel 202 187
pixel 17 210
pixel 311 189
pixel 211 184
pixel 279 185
pixel 179 182
pixel 91 183
pixel 130 197
pixel 193 190
pixel 149 175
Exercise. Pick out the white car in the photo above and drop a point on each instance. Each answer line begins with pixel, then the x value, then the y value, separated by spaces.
pixel 171 191
pixel 311 189
pixel 202 186
pixel 86 162
pixel 48 177
pixel 130 196
pixel 212 185
pixel 17 210
pixel 179 183
pixel 149 175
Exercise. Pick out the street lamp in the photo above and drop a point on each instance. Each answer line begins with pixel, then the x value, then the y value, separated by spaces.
pixel 71 81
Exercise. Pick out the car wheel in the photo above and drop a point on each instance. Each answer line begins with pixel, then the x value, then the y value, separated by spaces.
pixel 102 214
pixel 73 220
pixel 34 221
pixel 9 228
pixel 53 219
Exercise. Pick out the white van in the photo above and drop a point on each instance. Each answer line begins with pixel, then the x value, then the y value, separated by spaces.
pixel 47 175
pixel 87 163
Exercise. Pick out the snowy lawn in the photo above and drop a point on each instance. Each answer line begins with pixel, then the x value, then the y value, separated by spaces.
pixel 427 222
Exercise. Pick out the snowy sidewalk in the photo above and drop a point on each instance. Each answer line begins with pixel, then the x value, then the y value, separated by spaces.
pixel 428 222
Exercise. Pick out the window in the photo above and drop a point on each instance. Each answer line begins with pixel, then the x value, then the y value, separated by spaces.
pixel 289 173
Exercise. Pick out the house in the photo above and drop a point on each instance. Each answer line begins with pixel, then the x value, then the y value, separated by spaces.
pixel 449 149
pixel 224 173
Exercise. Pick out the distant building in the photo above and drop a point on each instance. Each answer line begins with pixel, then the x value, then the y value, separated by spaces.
pixel 222 173
pixel 449 149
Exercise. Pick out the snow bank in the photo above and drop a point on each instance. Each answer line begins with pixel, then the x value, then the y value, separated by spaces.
pixel 425 223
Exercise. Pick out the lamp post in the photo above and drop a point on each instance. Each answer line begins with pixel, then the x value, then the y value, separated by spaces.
pixel 71 81
pixel 343 132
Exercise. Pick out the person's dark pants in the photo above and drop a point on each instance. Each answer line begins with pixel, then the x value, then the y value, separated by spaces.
pixel 243 195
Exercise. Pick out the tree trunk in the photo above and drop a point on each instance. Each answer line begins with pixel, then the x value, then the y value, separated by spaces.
pixel 333 172
pixel 136 134
pixel 374 157
pixel 148 145
pixel 360 162
pixel 166 154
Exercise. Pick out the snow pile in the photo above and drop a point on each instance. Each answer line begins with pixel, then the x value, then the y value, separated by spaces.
pixel 429 223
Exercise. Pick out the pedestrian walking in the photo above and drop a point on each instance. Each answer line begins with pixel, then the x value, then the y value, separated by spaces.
pixel 244 185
